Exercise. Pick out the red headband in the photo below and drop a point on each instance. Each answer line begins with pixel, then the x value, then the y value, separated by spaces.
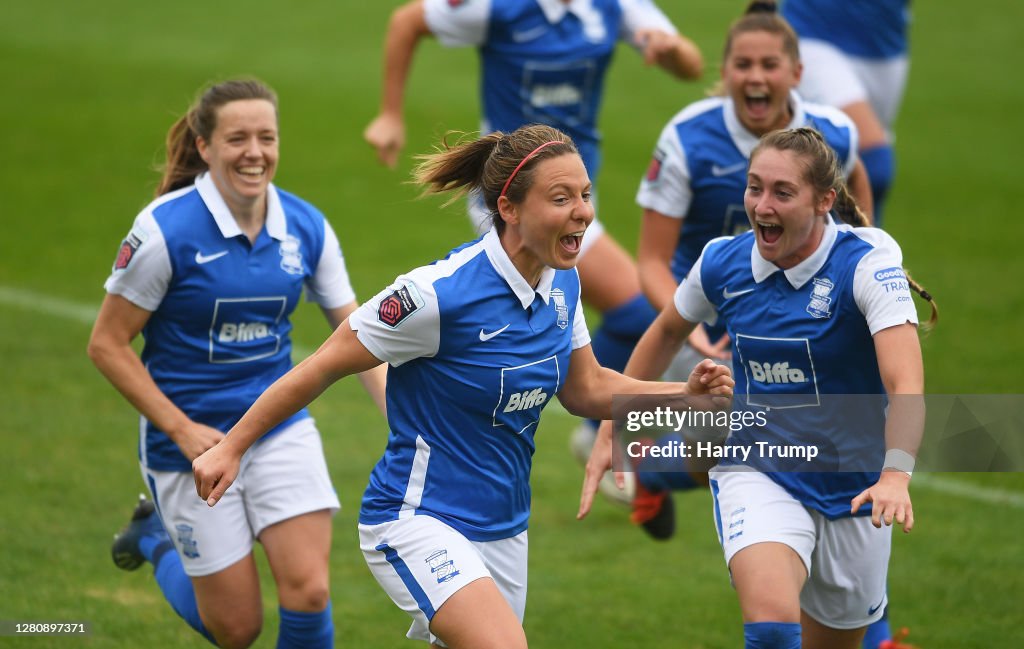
pixel 520 165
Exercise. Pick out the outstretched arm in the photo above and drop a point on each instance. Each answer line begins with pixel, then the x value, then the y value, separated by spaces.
pixel 373 380
pixel 673 53
pixel 342 354
pixel 386 132
pixel 902 369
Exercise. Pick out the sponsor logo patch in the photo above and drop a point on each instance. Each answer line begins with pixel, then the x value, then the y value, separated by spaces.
pixel 129 247
pixel 654 169
pixel 189 546
pixel 398 306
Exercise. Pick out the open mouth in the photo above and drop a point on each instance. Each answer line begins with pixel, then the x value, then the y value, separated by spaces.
pixel 572 242
pixel 757 103
pixel 252 171
pixel 770 232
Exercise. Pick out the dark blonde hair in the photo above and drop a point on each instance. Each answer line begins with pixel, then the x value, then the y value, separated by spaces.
pixel 183 160
pixel 823 172
pixel 486 163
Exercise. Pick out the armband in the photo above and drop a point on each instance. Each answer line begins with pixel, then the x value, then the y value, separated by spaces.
pixel 899 460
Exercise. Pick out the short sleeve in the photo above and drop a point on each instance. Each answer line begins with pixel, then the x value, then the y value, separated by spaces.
pixel 580 334
pixel 642 14
pixel 329 285
pixel 665 187
pixel 691 301
pixel 456 24
pixel 880 286
pixel 142 271
pixel 400 323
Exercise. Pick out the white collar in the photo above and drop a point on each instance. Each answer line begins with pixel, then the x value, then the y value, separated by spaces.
pixel 501 262
pixel 555 10
pixel 803 272
pixel 275 223
pixel 744 140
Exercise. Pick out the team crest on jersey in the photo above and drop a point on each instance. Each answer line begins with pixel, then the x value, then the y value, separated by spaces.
pixel 398 306
pixel 441 566
pixel 291 258
pixel 558 297
pixel 129 247
pixel 189 546
pixel 820 303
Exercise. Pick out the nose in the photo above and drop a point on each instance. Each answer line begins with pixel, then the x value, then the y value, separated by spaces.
pixel 584 210
pixel 252 148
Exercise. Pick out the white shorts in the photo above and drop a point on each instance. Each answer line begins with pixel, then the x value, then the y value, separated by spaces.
pixel 280 478
pixel 847 559
pixel 421 561
pixel 480 217
pixel 835 78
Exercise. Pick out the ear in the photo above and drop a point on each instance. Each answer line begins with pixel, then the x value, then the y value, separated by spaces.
pixel 798 73
pixel 203 148
pixel 507 210
pixel 826 202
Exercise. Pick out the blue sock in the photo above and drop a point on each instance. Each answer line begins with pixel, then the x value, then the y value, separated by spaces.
pixel 620 329
pixel 176 585
pixel 665 474
pixel 878 632
pixel 300 630
pixel 771 635
pixel 880 162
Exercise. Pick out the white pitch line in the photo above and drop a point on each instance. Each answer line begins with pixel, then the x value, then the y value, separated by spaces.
pixel 86 314
pixel 969 490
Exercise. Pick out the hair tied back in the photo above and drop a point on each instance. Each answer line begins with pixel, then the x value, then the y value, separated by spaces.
pixel 759 6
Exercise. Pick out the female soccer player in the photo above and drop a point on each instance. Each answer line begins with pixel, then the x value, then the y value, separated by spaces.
pixel 545 61
pixel 209 274
pixel 478 343
pixel 856 58
pixel 828 309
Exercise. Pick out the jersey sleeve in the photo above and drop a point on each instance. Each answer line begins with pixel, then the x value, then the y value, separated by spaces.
pixel 329 285
pixel 880 286
pixel 580 334
pixel 400 323
pixel 642 14
pixel 142 271
pixel 458 24
pixel 665 187
pixel 691 301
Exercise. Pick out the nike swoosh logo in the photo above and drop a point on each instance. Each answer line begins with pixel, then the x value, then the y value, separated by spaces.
pixel 728 295
pixel 725 171
pixel 529 34
pixel 205 259
pixel 485 337
pixel 871 611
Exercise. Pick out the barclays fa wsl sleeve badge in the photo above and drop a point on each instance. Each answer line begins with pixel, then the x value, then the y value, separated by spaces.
pixel 820 299
pixel 562 311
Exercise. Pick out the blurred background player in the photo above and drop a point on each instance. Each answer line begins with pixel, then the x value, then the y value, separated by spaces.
pixel 477 344
pixel 545 61
pixel 693 193
pixel 209 274
pixel 856 57
pixel 804 292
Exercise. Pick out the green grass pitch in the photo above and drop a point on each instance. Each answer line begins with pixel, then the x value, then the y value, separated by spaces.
pixel 89 90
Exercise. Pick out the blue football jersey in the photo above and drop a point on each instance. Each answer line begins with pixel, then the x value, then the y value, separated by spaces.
pixel 219 331
pixel 872 29
pixel 544 61
pixel 475 355
pixel 800 335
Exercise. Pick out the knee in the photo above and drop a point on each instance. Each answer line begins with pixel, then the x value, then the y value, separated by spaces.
pixel 309 596
pixel 236 633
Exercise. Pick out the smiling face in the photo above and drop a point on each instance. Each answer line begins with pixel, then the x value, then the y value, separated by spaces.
pixel 546 228
pixel 786 214
pixel 758 74
pixel 242 153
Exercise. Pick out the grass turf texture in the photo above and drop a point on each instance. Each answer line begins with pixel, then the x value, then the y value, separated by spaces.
pixel 89 94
